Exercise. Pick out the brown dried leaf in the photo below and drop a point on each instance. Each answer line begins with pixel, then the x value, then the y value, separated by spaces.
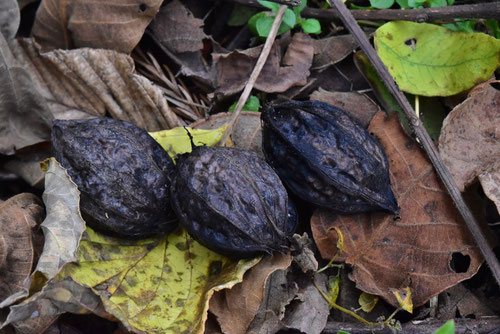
pixel 24 116
pixel 331 50
pixel 9 18
pixel 83 82
pixel 116 25
pixel 279 73
pixel 247 132
pixel 19 215
pixel 236 308
pixel 358 105
pixel 176 28
pixel 415 251
pixel 469 142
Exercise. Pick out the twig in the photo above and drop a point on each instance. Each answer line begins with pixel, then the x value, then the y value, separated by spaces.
pixel 255 73
pixel 472 11
pixel 292 3
pixel 422 136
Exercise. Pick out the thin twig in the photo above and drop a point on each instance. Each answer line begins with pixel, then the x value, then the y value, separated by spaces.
pixel 471 11
pixel 422 136
pixel 255 73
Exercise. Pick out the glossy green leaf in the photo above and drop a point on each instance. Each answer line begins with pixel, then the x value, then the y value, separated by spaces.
pixel 252 104
pixel 289 19
pixel 298 9
pixel 263 25
pixel 430 60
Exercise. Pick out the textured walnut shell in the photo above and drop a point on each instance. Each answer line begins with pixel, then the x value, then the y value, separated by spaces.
pixel 231 201
pixel 123 175
pixel 325 157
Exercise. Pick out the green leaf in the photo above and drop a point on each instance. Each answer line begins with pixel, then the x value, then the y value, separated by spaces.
pixel 461 25
pixel 333 289
pixel 381 4
pixel 430 60
pixel 311 26
pixel 158 285
pixel 263 25
pixel 268 4
pixel 252 104
pixel 438 3
pixel 403 4
pixel 450 2
pixel 416 3
pixel 447 328
pixel 240 15
pixel 493 27
pixel 298 9
pixel 289 18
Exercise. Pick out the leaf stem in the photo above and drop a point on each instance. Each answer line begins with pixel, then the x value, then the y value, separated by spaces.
pixel 255 73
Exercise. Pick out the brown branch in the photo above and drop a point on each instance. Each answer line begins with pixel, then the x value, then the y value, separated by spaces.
pixel 423 136
pixel 255 73
pixel 472 11
pixel 292 3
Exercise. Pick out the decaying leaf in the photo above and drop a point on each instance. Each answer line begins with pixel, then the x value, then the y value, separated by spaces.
pixel 420 249
pixel 279 73
pixel 236 308
pixel 56 297
pixel 176 28
pixel 247 132
pixel 9 18
pixel 19 216
pixel 24 116
pixel 63 226
pixel 367 301
pixel 469 142
pixel 116 25
pixel 329 51
pixel 95 82
pixel 430 60
pixel 358 105
pixel 177 141
pixel 154 285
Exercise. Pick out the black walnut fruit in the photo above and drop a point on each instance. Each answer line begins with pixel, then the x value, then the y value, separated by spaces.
pixel 326 158
pixel 231 201
pixel 123 175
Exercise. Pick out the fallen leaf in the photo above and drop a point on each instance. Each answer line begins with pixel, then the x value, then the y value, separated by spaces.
pixel 83 82
pixel 367 302
pixel 19 216
pixel 247 132
pixel 177 141
pixel 116 25
pixel 360 106
pixel 416 251
pixel 430 60
pixel 236 308
pixel 329 51
pixel 469 142
pixel 279 72
pixel 63 226
pixel 56 298
pixel 176 28
pixel 154 285
pixel 24 116
pixel 403 297
pixel 9 18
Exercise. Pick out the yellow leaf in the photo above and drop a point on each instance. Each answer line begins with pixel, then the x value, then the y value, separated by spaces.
pixel 160 285
pixel 176 141
pixel 403 296
pixel 340 239
pixel 333 289
pixel 367 301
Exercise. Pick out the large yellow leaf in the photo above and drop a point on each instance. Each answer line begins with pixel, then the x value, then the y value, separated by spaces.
pixel 160 285
pixel 426 59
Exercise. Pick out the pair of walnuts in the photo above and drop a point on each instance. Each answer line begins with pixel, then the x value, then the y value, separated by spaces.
pixel 228 199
